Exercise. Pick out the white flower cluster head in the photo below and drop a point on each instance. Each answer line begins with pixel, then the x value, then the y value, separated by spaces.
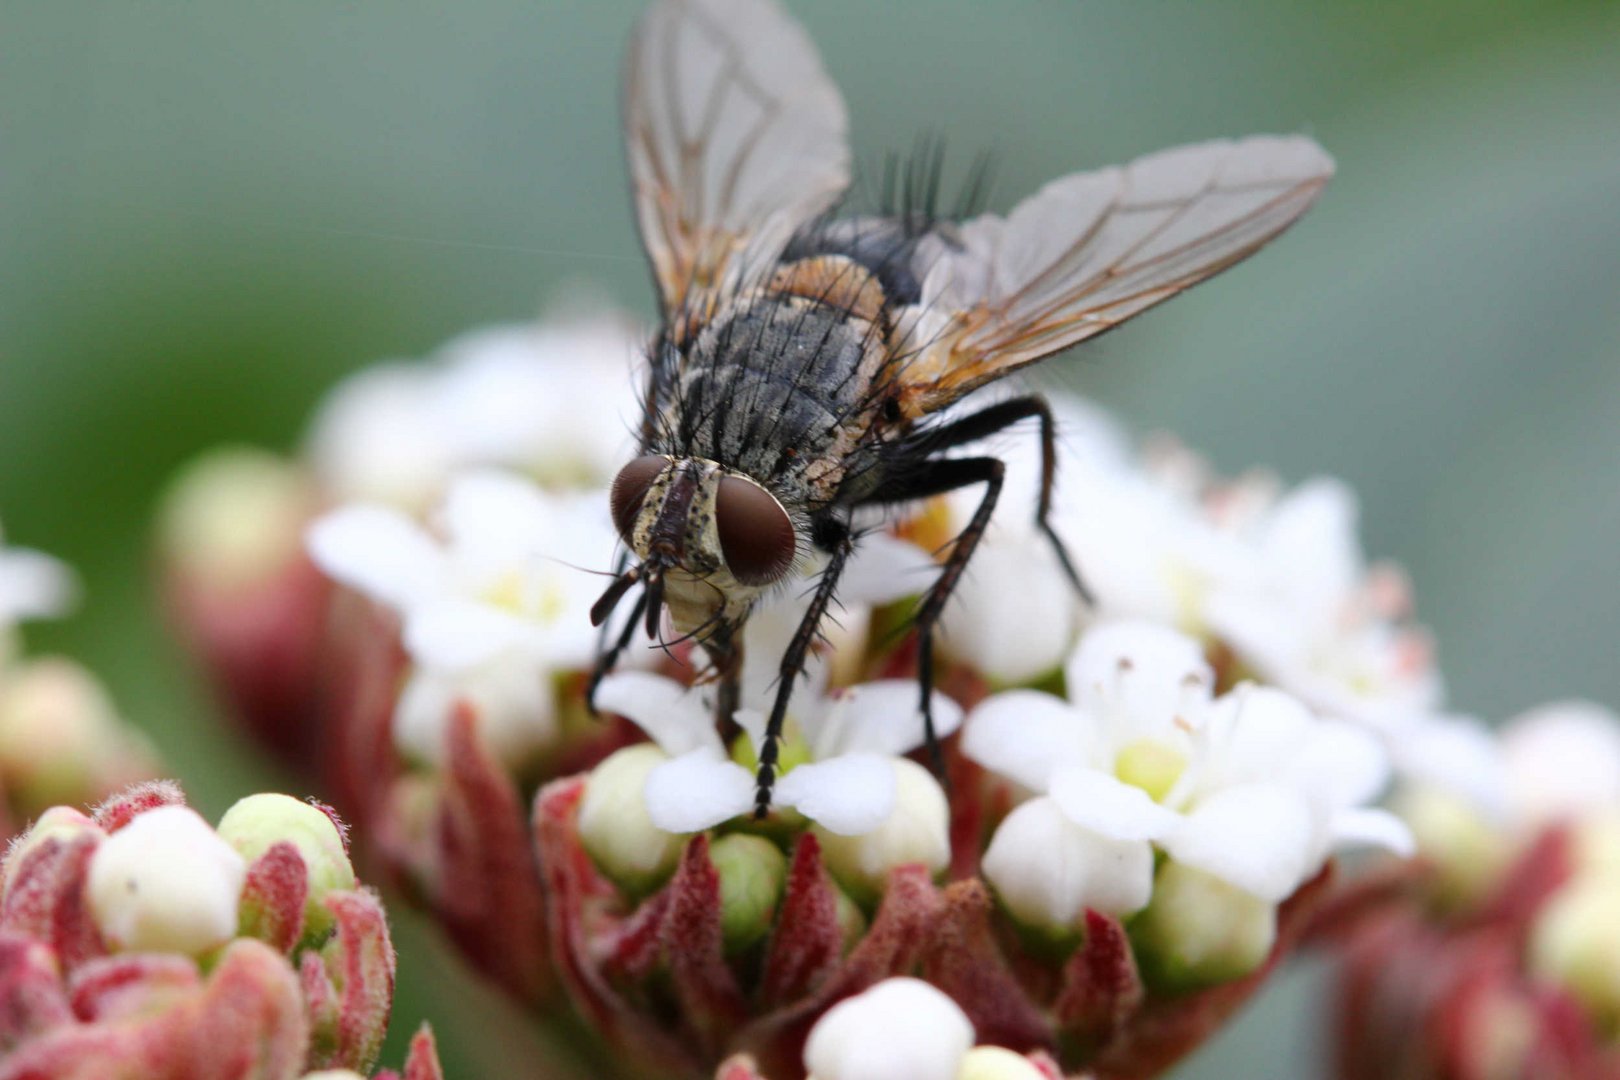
pixel 494 594
pixel 1143 765
pixel 473 503
pixel 905 1027
pixel 553 399
pixel 1475 797
pixel 1276 577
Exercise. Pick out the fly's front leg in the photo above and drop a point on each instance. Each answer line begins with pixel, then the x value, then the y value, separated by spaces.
pixel 836 537
pixel 986 422
pixel 725 652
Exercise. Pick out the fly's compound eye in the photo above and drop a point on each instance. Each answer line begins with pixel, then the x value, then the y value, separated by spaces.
pixel 630 491
pixel 756 535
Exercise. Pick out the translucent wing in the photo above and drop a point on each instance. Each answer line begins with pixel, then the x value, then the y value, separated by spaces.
pixel 736 136
pixel 1092 249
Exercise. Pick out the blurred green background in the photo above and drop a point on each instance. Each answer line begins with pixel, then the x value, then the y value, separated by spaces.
pixel 209 212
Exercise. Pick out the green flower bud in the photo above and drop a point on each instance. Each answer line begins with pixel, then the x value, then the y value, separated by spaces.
pixel 1199 930
pixel 997 1063
pixel 613 821
pixel 259 821
pixel 752 872
pixel 1575 942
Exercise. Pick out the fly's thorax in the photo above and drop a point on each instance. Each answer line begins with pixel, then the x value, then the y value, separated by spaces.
pixel 714 537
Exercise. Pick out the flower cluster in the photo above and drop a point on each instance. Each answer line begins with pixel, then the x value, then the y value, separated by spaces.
pixel 140 942
pixel 61 738
pixel 1141 797
pixel 1499 954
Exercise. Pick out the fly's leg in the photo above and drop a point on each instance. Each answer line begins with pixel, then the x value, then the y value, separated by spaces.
pixel 607 658
pixel 983 424
pixel 792 665
pixel 935 478
pixel 725 653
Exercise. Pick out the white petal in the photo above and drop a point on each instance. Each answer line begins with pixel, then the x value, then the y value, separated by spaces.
pixel 899 1028
pixel 510 696
pixel 876 718
pixel 672 715
pixel 1260 838
pixel 1371 827
pixel 379 434
pixel 1456 754
pixel 489 508
pixel 1110 807
pixel 1024 735
pixel 884 569
pixel 33 584
pixel 1048 870
pixel 379 552
pixel 455 636
pixel 848 795
pixel 916 831
pixel 1142 673
pixel 1015 614
pixel 1563 760
pixel 1341 766
pixel 697 791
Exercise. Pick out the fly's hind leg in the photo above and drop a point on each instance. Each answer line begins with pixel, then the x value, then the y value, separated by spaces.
pixel 935 478
pixel 919 475
pixel 725 654
pixel 986 422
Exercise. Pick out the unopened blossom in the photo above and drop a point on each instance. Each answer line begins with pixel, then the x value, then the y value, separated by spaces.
pixel 552 399
pixel 904 1027
pixel 255 824
pixel 494 604
pixel 233 519
pixel 1250 787
pixel 183 957
pixel 166 882
pixel 900 1027
pixel 62 739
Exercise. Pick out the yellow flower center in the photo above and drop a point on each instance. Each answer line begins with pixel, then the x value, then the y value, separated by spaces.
pixel 1151 766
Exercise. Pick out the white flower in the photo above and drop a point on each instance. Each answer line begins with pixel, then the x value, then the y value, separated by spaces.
pixel 490 611
pixel 166 882
pixel 1562 763
pixel 33 585
pixel 899 1028
pixel 553 398
pixel 1316 621
pixel 1251 788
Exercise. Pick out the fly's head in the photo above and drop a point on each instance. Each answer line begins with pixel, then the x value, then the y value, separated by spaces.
pixel 708 541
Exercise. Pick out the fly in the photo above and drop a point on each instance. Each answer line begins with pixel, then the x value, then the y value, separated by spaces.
pixel 804 360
